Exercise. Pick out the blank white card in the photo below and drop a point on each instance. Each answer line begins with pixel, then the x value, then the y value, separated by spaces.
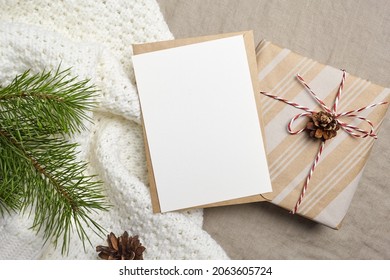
pixel 201 123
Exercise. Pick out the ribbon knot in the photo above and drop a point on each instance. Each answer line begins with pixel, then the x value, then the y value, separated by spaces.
pixel 352 130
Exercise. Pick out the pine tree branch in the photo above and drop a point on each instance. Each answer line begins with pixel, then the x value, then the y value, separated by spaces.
pixel 50 102
pixel 39 168
pixel 26 95
pixel 10 185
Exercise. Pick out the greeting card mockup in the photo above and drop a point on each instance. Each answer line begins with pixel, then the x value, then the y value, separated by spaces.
pixel 203 137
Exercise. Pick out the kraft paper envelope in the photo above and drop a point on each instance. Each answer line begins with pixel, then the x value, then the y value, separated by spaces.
pixel 250 50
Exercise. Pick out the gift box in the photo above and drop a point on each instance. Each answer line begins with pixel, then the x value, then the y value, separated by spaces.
pixel 314 174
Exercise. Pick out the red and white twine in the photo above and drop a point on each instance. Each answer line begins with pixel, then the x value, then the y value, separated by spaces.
pixel 350 129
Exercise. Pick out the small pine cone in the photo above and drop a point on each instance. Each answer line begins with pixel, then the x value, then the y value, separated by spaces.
pixel 121 248
pixel 322 125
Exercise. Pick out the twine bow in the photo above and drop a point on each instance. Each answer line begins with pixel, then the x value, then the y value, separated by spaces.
pixel 352 130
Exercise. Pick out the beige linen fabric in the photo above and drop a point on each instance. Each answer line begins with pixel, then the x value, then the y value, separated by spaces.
pixel 349 34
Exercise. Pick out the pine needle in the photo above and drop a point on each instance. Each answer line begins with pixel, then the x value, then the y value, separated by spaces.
pixel 39 170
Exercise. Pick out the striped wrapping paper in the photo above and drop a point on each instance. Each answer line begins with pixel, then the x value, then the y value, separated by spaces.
pixel 290 157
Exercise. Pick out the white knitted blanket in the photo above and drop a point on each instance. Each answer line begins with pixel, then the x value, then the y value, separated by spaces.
pixel 94 38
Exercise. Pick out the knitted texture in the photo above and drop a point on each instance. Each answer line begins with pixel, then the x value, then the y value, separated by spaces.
pixel 94 38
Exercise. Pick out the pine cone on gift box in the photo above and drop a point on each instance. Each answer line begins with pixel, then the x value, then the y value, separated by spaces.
pixel 322 126
pixel 121 248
